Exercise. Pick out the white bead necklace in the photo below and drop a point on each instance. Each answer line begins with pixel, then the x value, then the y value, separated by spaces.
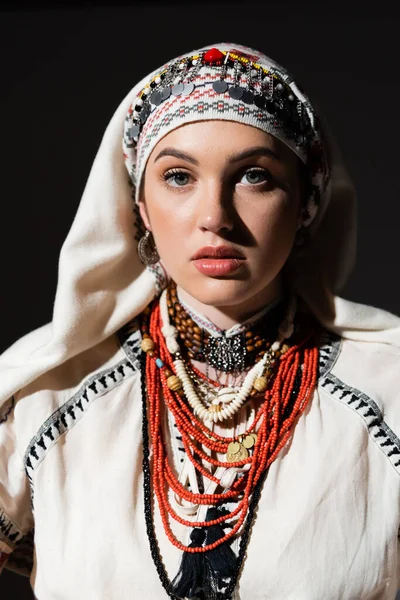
pixel 234 398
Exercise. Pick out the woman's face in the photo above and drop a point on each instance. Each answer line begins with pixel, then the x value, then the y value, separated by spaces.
pixel 223 202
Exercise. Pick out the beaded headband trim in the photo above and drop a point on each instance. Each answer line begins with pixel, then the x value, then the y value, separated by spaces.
pixel 263 88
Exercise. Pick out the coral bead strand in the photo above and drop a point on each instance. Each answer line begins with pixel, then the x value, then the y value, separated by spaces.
pixel 274 430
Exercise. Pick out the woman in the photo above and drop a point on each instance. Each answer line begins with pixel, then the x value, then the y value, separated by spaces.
pixel 209 421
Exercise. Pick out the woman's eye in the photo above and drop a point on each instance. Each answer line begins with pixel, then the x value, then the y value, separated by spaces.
pixel 176 178
pixel 255 176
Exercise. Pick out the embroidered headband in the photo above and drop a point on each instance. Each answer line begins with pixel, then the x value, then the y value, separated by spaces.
pixel 226 83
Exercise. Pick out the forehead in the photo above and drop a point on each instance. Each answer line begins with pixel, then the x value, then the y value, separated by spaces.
pixel 220 138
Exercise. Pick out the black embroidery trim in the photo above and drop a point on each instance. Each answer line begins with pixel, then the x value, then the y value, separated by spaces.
pixel 329 350
pixel 10 534
pixel 71 412
pixel 358 401
pixel 6 409
pixel 371 414
pixel 130 338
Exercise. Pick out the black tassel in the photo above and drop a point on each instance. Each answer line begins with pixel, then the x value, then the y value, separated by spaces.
pixel 222 559
pixel 189 581
pixel 201 574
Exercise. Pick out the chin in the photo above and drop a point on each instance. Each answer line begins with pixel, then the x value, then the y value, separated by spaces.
pixel 213 291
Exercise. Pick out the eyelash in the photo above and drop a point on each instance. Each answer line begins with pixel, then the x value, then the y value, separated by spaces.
pixel 173 172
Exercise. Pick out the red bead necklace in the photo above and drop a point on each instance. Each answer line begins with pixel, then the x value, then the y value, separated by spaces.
pixel 274 422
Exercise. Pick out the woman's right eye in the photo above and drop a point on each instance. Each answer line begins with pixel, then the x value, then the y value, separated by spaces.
pixel 176 178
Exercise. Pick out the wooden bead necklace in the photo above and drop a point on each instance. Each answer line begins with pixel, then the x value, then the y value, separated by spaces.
pixel 225 354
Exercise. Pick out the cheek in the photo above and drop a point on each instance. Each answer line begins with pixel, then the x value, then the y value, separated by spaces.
pixel 273 223
pixel 166 220
pixel 170 230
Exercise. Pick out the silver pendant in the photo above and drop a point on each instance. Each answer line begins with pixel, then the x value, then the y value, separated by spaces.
pixel 134 131
pixel 248 97
pixel 236 92
pixel 220 86
pixel 156 98
pixel 177 89
pixel 144 113
pixel 226 353
pixel 187 89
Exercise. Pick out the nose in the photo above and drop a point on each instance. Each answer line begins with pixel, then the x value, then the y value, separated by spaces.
pixel 215 210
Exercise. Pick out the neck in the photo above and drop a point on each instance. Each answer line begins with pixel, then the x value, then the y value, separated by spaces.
pixel 227 316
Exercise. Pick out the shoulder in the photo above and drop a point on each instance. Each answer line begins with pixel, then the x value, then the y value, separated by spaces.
pixel 364 342
pixel 360 369
pixel 58 399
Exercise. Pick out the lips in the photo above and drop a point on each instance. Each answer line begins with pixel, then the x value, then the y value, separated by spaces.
pixel 218 261
pixel 215 252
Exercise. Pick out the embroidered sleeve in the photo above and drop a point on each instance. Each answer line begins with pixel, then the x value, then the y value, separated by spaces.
pixel 16 518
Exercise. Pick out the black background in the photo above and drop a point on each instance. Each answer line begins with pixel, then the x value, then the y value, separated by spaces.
pixel 65 69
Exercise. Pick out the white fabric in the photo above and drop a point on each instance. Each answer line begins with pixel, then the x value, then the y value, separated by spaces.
pixel 329 513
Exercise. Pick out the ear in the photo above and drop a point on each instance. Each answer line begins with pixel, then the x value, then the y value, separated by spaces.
pixel 144 215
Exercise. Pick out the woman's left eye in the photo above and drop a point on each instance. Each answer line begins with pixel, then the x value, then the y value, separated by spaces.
pixel 176 178
pixel 254 176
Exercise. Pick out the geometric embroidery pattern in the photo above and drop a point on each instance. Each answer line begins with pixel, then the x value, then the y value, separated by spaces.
pixel 130 338
pixel 160 277
pixel 371 414
pixel 71 412
pixel 329 349
pixel 10 534
pixel 361 403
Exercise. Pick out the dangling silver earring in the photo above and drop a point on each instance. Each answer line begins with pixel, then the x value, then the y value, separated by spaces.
pixel 147 249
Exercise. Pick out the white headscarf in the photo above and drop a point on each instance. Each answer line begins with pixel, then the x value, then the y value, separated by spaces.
pixel 102 284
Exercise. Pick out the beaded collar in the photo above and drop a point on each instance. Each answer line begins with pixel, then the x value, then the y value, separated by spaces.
pixel 227 351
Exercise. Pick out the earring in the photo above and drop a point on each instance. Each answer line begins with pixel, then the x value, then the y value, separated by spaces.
pixel 147 249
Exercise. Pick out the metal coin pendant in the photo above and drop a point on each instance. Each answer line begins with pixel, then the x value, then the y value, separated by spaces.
pixel 166 92
pixel 220 86
pixel 254 436
pixel 177 89
pixel 259 101
pixel 156 98
pixel 187 89
pixel 233 448
pixel 145 113
pixel 134 131
pixel 248 97
pixel 236 92
pixel 248 442
pixel 238 456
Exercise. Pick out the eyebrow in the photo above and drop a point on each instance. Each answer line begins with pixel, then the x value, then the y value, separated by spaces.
pixel 177 154
pixel 255 151
pixel 250 152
